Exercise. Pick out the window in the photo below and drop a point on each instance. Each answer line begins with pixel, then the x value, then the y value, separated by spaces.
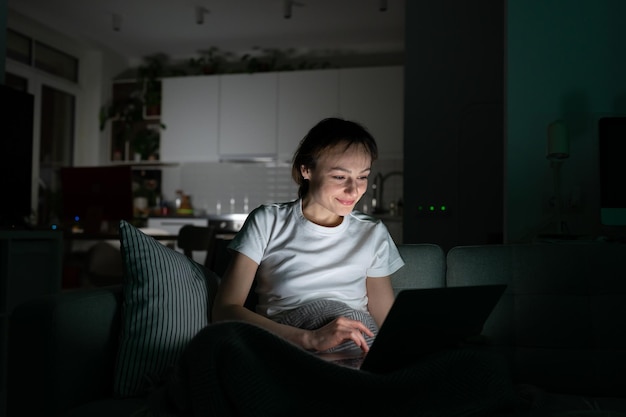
pixel 55 149
pixel 34 53
pixel 17 82
pixel 55 62
pixel 45 72
pixel 19 47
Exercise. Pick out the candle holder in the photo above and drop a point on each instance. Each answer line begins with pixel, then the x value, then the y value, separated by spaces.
pixel 557 153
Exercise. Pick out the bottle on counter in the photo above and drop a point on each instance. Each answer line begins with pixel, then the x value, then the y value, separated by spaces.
pixel 400 207
pixel 183 204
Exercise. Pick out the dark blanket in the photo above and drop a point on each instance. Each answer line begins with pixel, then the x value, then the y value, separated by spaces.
pixel 237 369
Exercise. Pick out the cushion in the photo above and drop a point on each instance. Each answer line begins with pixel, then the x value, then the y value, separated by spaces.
pixel 166 301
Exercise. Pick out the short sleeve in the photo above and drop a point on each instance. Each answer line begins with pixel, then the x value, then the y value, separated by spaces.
pixel 252 238
pixel 386 259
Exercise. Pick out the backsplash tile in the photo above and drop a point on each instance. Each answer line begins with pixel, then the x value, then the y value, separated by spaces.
pixel 240 187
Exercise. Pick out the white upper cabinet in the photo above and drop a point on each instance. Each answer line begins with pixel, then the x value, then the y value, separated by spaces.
pixel 265 115
pixel 304 98
pixel 248 115
pixel 374 97
pixel 189 111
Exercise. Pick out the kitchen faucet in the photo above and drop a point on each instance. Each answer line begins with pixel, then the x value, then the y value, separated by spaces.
pixel 378 187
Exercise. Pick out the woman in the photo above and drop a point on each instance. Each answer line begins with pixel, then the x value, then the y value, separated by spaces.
pixel 322 278
pixel 322 268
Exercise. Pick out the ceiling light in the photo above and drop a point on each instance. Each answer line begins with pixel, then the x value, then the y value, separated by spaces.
pixel 288 6
pixel 116 22
pixel 200 12
pixel 287 9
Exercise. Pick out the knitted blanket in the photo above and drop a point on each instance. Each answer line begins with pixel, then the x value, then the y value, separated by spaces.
pixel 238 369
pixel 318 313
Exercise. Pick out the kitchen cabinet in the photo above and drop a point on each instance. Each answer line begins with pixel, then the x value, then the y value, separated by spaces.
pixel 248 115
pixel 374 96
pixel 265 115
pixel 190 112
pixel 304 98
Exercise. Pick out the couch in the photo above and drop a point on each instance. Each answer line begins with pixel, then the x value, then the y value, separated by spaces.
pixel 561 325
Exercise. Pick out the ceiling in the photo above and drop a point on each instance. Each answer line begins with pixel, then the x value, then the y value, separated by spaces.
pixel 170 26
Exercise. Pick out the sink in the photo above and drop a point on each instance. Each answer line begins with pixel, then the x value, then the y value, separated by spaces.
pixel 227 223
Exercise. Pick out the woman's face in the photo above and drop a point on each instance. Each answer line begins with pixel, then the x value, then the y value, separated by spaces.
pixel 336 184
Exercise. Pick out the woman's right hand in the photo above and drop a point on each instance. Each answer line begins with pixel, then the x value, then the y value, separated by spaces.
pixel 336 332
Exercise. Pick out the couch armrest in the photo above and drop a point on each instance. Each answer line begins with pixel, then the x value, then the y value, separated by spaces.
pixel 562 318
pixel 62 350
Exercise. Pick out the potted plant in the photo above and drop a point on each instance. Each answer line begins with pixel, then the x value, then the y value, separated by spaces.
pixel 145 142
pixel 128 111
pixel 211 61
pixel 149 79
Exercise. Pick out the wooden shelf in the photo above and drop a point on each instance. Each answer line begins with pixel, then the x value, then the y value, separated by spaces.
pixel 144 164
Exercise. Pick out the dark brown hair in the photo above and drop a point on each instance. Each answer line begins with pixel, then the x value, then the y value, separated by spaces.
pixel 323 136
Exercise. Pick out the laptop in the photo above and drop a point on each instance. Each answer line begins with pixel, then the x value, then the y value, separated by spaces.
pixel 424 321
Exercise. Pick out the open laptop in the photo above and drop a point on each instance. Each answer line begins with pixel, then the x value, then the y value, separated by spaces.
pixel 423 321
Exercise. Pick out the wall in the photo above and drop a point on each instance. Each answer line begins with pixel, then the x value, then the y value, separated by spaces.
pixel 565 60
pixel 3 39
pixel 453 150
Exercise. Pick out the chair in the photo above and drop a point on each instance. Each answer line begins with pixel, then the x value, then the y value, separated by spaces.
pixel 103 265
pixel 198 238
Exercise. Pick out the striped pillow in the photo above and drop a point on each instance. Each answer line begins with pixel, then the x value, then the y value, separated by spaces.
pixel 166 302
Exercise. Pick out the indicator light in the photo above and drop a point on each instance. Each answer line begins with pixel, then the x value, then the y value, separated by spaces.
pixel 432 209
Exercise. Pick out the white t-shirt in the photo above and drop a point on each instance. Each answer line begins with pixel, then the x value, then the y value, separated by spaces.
pixel 300 261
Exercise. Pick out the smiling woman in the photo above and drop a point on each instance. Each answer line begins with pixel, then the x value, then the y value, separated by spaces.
pixel 316 250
